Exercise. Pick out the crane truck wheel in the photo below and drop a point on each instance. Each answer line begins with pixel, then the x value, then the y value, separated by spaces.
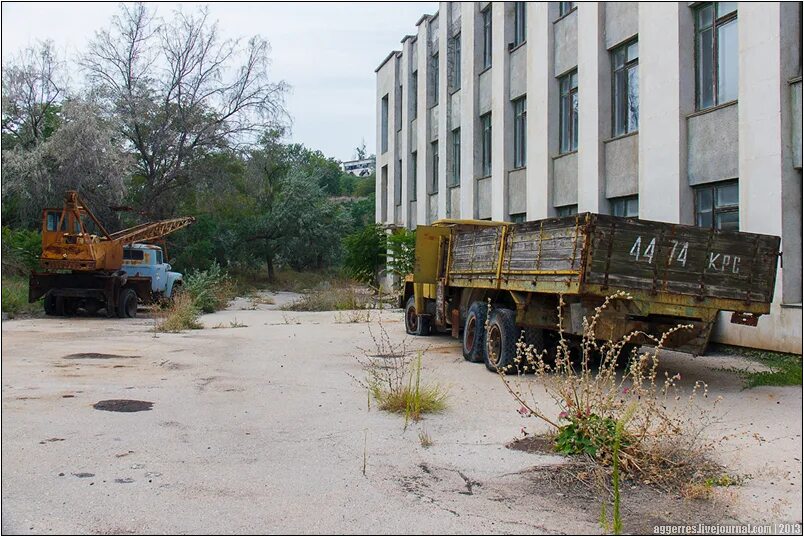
pixel 411 318
pixel 501 337
pixel 54 305
pixel 127 304
pixel 474 333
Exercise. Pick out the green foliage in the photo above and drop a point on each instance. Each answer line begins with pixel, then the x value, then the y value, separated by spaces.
pixel 363 252
pixel 208 289
pixel 401 252
pixel 586 435
pixel 21 250
pixel 364 186
pixel 785 368
pixel 15 297
pixel 182 314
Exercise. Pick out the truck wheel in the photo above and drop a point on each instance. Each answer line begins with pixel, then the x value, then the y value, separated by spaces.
pixel 411 318
pixel 424 325
pixel 474 333
pixel 54 305
pixel 501 338
pixel 127 304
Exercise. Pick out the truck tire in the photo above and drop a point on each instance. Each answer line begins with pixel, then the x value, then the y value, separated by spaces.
pixel 474 333
pixel 54 305
pixel 424 325
pixel 127 304
pixel 411 317
pixel 501 338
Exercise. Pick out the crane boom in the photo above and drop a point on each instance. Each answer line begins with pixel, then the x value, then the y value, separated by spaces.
pixel 151 230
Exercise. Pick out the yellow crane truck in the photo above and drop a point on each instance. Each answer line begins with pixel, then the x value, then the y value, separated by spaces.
pixel 84 266
pixel 675 274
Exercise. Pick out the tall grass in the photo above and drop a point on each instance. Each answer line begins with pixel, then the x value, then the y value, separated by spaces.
pixel 181 314
pixel 15 297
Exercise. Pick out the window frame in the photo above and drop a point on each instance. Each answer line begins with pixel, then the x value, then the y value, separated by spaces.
pixel 567 210
pixel 624 200
pixel 435 162
pixel 384 124
pixel 565 99
pixel 619 90
pixel 726 209
pixel 455 52
pixel 520 23
pixel 520 132
pixel 565 8
pixel 434 78
pixel 486 28
pixel 717 21
pixel 455 175
pixel 485 144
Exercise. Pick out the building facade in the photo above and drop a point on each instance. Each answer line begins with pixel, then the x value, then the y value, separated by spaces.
pixel 684 112
pixel 360 167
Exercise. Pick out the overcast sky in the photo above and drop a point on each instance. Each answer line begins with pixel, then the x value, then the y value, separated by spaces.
pixel 327 52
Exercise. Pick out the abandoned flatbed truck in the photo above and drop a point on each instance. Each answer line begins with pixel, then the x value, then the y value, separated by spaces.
pixel 675 274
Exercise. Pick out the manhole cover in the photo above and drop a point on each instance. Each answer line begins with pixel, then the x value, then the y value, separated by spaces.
pixel 95 356
pixel 123 405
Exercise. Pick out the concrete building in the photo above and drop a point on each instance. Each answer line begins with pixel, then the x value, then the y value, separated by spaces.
pixel 683 112
pixel 360 168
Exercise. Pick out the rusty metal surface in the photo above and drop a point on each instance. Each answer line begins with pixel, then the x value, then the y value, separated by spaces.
pixel 71 245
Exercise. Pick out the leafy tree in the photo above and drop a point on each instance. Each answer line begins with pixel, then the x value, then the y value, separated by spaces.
pixel 34 83
pixel 178 92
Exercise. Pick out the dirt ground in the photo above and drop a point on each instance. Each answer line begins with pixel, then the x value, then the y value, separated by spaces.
pixel 260 429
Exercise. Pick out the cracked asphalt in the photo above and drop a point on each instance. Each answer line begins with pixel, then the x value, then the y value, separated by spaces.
pixel 261 429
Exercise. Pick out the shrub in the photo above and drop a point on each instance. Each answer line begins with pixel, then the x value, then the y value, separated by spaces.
pixel 210 289
pixel 364 251
pixel 21 251
pixel 659 441
pixel 181 314
pixel 15 297
pixel 401 253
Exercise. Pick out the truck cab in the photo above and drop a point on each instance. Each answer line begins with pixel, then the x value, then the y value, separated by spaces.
pixel 147 261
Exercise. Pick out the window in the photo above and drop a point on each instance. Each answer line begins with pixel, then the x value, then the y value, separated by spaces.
pixel 455 68
pixel 567 210
pixel 518 218
pixel 398 183
pixel 486 21
pixel 520 132
pixel 485 144
pixel 434 78
pixel 384 124
pixel 384 194
pixel 627 206
pixel 158 257
pixel 398 110
pixel 53 218
pixel 715 53
pixel 625 90
pixel 133 255
pixel 717 206
pixel 434 183
pixel 414 173
pixel 569 112
pixel 565 7
pixel 414 94
pixel 519 22
pixel 455 176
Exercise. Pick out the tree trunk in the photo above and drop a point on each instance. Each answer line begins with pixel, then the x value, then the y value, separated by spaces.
pixel 269 260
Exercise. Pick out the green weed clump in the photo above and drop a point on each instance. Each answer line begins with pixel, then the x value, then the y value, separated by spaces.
pixel 181 314
pixel 329 297
pixel 785 368
pixel 394 379
pixel 15 297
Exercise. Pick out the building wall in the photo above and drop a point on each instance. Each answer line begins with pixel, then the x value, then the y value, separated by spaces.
pixel 755 139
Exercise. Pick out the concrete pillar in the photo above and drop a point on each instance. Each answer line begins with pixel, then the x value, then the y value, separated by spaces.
pixel 443 106
pixel 666 97
pixel 542 109
pixel 594 81
pixel 501 111
pixel 422 123
pixel 469 118
pixel 404 134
